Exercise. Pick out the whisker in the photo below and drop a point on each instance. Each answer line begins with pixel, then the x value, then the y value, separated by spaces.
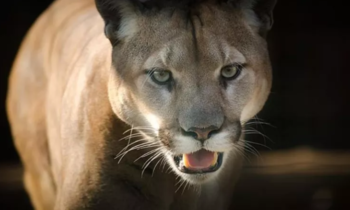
pixel 129 136
pixel 137 147
pixel 163 164
pixel 126 147
pixel 150 161
pixel 252 150
pixel 140 128
pixel 147 154
pixel 240 150
pixel 169 170
pixel 251 142
pixel 258 123
pixel 257 132
pixel 182 182
pixel 183 190
pixel 133 136
pixel 155 166
pixel 197 189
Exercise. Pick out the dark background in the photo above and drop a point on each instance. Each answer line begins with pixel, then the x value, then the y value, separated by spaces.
pixel 310 52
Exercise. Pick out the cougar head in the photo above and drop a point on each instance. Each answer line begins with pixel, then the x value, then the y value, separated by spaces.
pixel 188 75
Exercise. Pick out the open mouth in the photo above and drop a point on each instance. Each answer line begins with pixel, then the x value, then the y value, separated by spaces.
pixel 202 161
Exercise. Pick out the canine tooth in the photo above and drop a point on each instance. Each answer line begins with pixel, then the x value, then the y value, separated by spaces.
pixel 215 159
pixel 185 161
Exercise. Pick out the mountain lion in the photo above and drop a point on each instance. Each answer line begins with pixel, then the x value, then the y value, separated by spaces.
pixel 150 117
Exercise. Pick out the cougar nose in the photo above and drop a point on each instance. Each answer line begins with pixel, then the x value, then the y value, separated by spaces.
pixel 200 133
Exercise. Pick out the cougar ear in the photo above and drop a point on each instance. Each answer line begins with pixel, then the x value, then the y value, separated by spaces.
pixel 259 13
pixel 264 11
pixel 120 17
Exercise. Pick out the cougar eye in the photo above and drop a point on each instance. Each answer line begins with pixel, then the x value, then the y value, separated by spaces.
pixel 231 71
pixel 160 76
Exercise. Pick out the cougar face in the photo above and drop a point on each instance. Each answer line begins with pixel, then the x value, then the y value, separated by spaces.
pixel 188 78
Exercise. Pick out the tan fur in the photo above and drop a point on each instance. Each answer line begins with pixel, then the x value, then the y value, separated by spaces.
pixel 68 105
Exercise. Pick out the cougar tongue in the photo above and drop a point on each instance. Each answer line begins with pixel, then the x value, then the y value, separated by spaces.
pixel 201 159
